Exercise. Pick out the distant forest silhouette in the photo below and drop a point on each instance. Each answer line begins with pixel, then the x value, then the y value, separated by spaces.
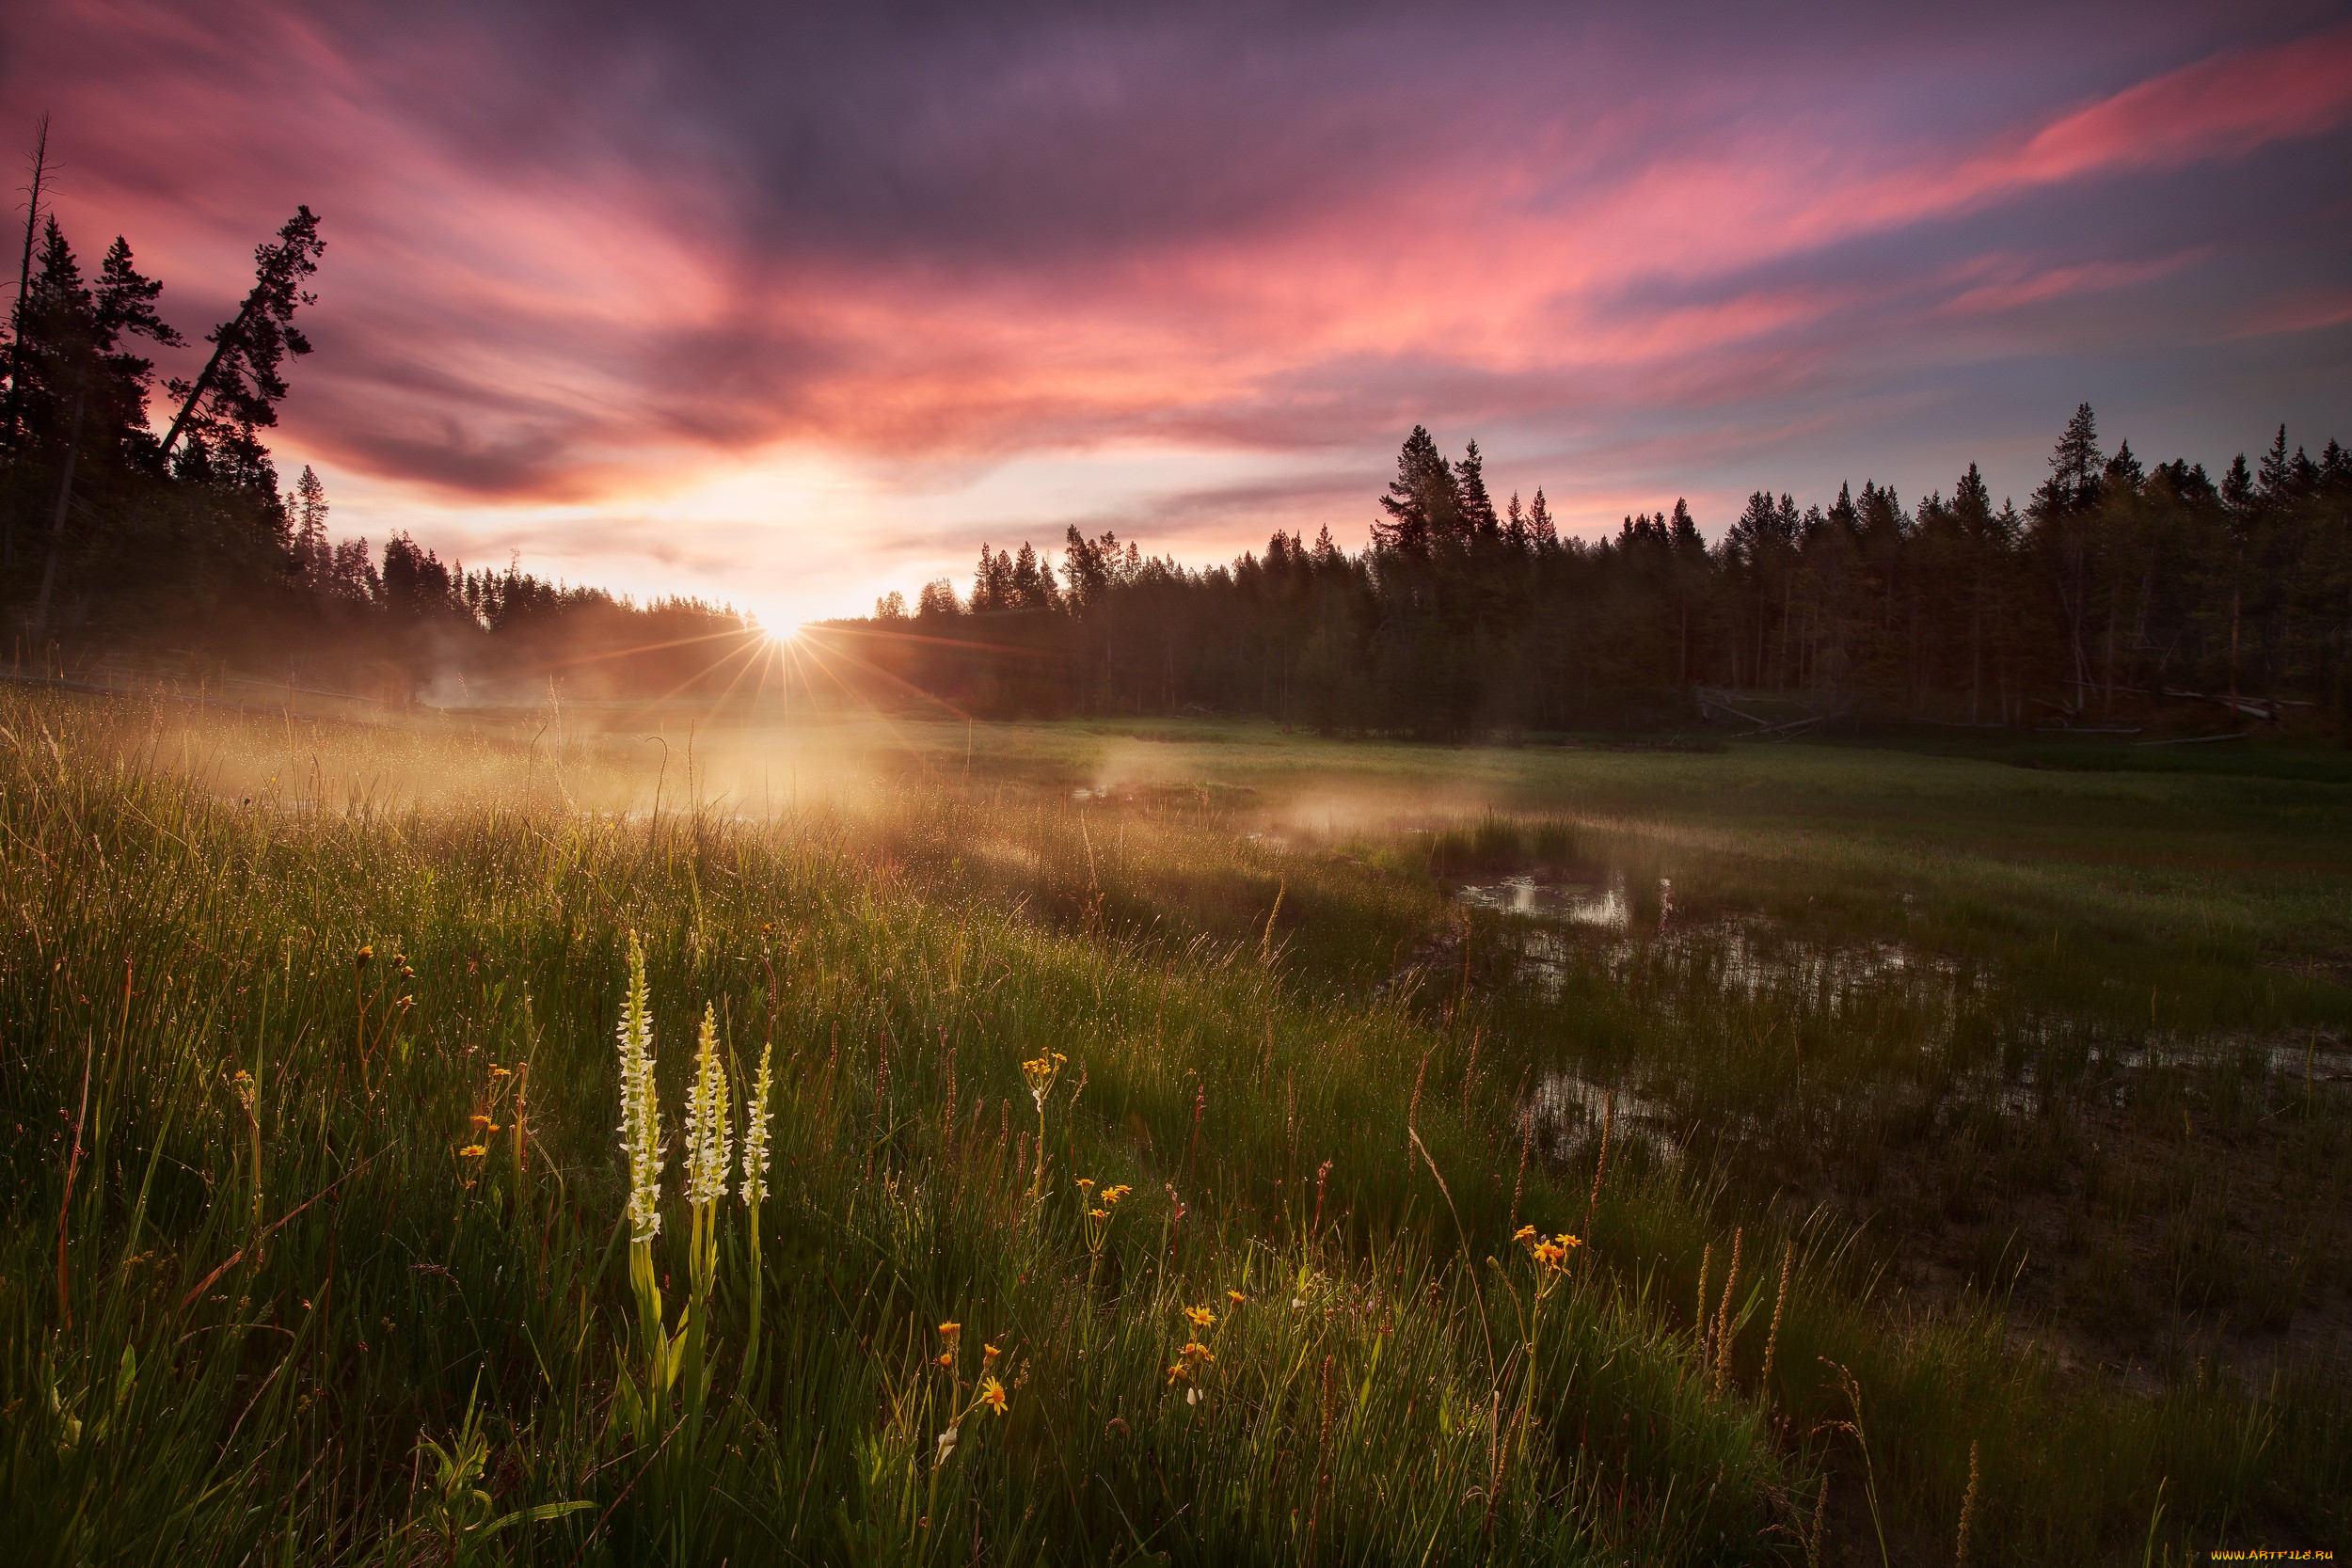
pixel 2118 589
pixel 180 550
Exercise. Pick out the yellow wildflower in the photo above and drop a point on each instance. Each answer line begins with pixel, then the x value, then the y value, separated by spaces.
pixel 946 1358
pixel 1041 1070
pixel 1236 1297
pixel 1526 1234
pixel 500 1072
pixel 473 1151
pixel 1199 1317
pixel 989 1354
pixel 993 1394
pixel 951 1330
pixel 1195 1350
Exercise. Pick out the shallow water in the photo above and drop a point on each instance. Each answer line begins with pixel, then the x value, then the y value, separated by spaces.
pixel 1599 904
pixel 1567 1112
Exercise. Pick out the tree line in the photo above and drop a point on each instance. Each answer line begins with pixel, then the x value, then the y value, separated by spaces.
pixel 120 542
pixel 2119 590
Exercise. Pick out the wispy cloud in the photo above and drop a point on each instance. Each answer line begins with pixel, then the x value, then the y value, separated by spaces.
pixel 590 269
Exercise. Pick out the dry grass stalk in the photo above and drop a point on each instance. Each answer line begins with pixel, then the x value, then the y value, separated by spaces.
pixel 1967 1509
pixel 1600 1168
pixel 1518 1183
pixel 1707 1262
pixel 1723 1315
pixel 1780 1308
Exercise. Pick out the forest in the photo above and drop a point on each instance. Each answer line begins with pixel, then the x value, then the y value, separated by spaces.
pixel 2121 590
pixel 179 552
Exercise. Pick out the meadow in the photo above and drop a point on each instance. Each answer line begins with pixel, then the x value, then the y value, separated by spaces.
pixel 1821 1153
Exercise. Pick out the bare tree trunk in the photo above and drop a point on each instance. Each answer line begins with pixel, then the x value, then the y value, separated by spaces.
pixel 65 498
pixel 2237 571
pixel 2112 611
pixel 16 336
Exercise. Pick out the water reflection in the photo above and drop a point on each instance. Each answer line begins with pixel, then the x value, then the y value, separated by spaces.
pixel 1601 904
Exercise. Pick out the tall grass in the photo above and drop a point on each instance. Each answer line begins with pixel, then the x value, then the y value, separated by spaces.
pixel 271 1289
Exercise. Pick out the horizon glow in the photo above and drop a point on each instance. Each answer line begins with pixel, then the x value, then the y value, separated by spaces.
pixel 788 313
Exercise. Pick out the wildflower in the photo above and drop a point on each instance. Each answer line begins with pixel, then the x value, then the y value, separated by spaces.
pixel 1086 1183
pixel 500 1072
pixel 480 1118
pixel 710 1131
pixel 1112 1195
pixel 360 959
pixel 640 1111
pixel 989 1354
pixel 1195 1350
pixel 1199 1317
pixel 1041 1070
pixel 1178 1372
pixel 1097 1213
pixel 1553 1254
pixel 1236 1297
pixel 948 1358
pixel 473 1151
pixel 1525 1234
pixel 951 1330
pixel 993 1394
pixel 754 1188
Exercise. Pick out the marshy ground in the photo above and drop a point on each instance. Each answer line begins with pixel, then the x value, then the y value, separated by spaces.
pixel 2015 1079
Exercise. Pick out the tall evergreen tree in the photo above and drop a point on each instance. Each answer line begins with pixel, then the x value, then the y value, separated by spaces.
pixel 1470 485
pixel 1423 504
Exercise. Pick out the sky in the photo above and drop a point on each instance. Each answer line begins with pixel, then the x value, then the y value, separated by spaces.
pixel 786 306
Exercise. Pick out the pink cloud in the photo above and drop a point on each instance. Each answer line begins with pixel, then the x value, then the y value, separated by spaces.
pixel 555 284
pixel 2012 282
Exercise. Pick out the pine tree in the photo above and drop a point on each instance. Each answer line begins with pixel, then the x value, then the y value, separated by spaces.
pixel 2240 501
pixel 1470 487
pixel 1423 504
pixel 314 556
pixel 2076 467
pixel 241 386
pixel 2275 482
